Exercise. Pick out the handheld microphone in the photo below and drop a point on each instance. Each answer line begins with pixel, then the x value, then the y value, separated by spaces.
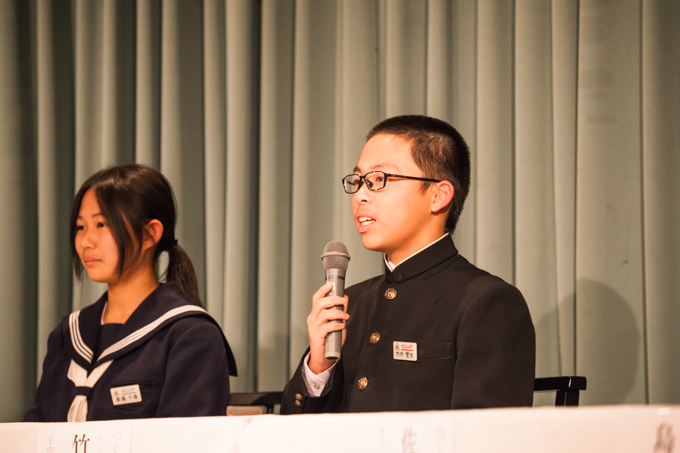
pixel 335 261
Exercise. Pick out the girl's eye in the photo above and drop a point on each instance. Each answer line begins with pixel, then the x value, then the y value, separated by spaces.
pixel 79 228
pixel 101 224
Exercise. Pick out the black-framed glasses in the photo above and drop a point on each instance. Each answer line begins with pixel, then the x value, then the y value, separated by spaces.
pixel 375 180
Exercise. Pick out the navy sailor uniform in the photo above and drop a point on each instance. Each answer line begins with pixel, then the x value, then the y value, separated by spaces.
pixel 172 349
pixel 472 332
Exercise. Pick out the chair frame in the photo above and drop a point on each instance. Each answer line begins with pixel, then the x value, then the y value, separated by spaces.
pixel 568 388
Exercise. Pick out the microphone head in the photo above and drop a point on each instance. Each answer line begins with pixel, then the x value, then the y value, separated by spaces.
pixel 335 256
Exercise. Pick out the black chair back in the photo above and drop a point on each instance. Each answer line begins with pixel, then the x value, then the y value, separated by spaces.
pixel 253 403
pixel 568 388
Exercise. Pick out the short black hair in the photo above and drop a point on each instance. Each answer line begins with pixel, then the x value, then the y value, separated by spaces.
pixel 438 150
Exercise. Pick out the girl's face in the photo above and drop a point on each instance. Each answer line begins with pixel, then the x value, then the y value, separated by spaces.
pixel 94 242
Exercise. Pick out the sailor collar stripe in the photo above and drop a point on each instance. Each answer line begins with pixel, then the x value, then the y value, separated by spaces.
pixel 76 339
pixel 86 353
pixel 142 332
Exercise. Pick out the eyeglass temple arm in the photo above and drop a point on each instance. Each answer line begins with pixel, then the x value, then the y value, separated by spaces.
pixel 413 177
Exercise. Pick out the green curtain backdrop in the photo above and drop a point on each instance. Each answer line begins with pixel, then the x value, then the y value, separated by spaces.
pixel 256 109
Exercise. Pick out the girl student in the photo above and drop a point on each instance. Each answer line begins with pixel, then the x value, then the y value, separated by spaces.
pixel 144 349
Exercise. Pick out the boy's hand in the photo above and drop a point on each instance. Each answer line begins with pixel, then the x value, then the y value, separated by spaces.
pixel 319 326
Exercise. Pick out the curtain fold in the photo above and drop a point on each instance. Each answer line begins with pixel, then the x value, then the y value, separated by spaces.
pixel 255 110
pixel 148 83
pixel 276 152
pixel 240 273
pixel 495 139
pixel 609 266
pixel 18 204
pixel 55 163
pixel 406 31
pixel 182 123
pixel 534 206
pixel 118 81
pixel 661 195
pixel 215 133
pixel 564 42
pixel 462 16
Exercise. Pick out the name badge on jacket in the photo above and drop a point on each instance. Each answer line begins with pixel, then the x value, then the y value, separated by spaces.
pixel 402 350
pixel 126 395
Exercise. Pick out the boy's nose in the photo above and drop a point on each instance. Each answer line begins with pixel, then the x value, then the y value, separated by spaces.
pixel 362 194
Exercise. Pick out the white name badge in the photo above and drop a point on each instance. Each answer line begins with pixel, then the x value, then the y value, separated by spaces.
pixel 126 395
pixel 404 351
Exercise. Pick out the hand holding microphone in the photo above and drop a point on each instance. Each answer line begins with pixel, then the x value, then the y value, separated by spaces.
pixel 325 322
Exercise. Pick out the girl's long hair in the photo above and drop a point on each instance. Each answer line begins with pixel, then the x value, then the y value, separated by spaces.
pixel 130 196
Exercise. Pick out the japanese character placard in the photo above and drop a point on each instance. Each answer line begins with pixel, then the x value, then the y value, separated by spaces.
pixel 126 395
pixel 402 350
pixel 94 437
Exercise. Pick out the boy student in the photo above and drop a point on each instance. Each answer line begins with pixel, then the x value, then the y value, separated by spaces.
pixel 434 332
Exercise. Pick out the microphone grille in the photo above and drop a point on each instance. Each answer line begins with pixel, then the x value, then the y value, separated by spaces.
pixel 335 256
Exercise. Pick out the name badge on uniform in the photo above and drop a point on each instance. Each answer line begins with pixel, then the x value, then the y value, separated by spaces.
pixel 126 395
pixel 404 351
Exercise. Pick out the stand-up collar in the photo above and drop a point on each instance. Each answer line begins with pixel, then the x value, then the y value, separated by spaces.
pixel 437 253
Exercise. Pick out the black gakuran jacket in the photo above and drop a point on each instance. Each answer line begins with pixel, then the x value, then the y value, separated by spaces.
pixel 472 333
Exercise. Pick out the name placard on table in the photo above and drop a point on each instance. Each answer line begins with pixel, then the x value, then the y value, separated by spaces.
pixel 604 429
pixel 93 437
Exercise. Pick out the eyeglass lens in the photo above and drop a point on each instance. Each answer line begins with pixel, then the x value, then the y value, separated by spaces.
pixel 375 180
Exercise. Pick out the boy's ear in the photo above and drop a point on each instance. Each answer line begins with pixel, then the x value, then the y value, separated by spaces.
pixel 154 233
pixel 442 196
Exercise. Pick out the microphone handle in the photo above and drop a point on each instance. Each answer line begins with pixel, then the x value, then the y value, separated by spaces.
pixel 333 346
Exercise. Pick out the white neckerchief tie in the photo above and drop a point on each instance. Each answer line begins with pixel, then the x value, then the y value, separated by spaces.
pixel 78 410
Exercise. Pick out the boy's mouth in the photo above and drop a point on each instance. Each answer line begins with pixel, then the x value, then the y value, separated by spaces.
pixel 365 221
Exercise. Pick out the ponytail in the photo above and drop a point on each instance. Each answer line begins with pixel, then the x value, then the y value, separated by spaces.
pixel 182 274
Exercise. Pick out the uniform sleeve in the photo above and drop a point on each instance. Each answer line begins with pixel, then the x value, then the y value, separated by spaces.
pixel 298 400
pixel 316 383
pixel 55 344
pixel 496 351
pixel 197 372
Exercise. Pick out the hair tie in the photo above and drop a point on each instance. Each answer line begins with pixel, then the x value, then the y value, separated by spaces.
pixel 174 244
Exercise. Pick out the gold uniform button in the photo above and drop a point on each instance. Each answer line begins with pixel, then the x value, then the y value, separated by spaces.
pixel 362 383
pixel 390 293
pixel 375 337
pixel 297 403
pixel 298 397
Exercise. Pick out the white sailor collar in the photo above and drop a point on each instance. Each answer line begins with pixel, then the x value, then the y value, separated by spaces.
pixel 163 306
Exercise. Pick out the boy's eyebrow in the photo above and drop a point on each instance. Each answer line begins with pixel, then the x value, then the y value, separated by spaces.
pixel 376 167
